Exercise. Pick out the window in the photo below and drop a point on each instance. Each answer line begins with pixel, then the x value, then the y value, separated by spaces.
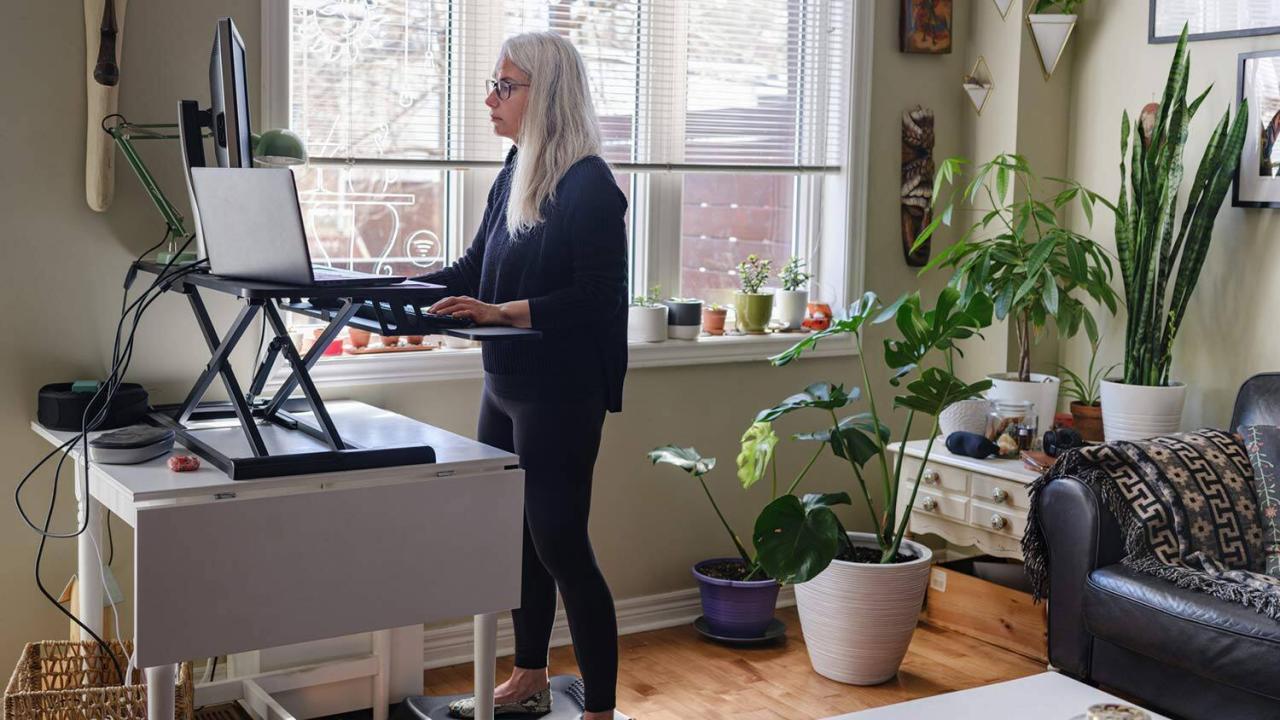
pixel 726 121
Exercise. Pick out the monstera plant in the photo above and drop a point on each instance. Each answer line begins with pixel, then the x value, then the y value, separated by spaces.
pixel 798 539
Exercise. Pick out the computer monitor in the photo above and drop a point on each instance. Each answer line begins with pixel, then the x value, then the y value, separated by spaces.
pixel 229 92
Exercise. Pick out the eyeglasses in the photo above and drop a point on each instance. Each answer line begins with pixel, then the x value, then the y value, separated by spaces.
pixel 503 87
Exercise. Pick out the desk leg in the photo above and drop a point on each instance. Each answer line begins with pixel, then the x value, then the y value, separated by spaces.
pixel 485 661
pixel 160 687
pixel 382 681
pixel 89 569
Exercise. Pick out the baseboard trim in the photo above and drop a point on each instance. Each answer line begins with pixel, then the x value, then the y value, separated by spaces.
pixel 453 644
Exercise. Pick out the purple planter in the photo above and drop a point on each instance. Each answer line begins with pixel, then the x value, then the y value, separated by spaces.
pixel 734 608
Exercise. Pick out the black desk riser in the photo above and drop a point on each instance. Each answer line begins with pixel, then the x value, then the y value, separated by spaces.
pixel 383 309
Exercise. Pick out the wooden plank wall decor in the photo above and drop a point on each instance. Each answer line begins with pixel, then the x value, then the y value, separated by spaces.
pixel 917 182
pixel 103 38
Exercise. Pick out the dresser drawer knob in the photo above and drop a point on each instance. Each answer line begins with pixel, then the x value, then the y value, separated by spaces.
pixel 998 522
pixel 999 495
pixel 930 477
pixel 929 504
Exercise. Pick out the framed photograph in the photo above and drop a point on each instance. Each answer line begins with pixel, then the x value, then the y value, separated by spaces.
pixel 925 26
pixel 1211 19
pixel 1258 179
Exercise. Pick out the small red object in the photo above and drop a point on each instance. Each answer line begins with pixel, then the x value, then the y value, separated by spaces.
pixel 184 463
pixel 334 348
pixel 817 316
pixel 1064 420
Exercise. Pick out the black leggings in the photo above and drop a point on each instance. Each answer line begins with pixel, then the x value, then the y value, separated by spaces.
pixel 557 441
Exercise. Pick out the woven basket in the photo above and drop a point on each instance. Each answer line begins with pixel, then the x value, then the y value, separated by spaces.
pixel 62 680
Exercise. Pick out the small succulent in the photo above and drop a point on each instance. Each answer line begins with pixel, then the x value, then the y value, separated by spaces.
pixel 793 274
pixel 753 273
pixel 650 299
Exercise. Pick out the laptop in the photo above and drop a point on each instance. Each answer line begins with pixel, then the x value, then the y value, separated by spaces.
pixel 251 224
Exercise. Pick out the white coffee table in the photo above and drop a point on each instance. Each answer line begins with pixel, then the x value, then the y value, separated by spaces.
pixel 1047 696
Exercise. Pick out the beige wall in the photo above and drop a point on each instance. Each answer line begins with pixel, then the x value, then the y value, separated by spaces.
pixel 1229 332
pixel 63 266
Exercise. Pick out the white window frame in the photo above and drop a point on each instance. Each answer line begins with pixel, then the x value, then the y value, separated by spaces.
pixel 830 216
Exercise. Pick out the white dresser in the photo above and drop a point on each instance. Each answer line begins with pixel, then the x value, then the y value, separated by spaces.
pixel 967 502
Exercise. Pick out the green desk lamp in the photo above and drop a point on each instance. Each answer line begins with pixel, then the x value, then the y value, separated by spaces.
pixel 273 148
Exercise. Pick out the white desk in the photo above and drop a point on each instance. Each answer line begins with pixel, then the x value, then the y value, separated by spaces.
pixel 226 567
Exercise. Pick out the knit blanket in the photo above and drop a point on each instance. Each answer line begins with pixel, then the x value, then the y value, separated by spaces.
pixel 1187 510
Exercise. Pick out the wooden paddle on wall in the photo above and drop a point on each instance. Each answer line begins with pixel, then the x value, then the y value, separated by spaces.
pixel 103 38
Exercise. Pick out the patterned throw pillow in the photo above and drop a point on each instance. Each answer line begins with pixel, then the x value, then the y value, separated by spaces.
pixel 1263 442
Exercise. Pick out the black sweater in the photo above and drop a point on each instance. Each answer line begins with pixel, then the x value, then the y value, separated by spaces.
pixel 572 268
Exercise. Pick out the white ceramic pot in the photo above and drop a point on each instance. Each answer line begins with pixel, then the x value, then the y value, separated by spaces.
pixel 1137 412
pixel 1042 390
pixel 965 416
pixel 1051 32
pixel 647 324
pixel 858 618
pixel 789 307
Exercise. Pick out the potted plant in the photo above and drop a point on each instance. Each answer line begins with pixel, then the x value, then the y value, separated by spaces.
pixel 713 316
pixel 751 307
pixel 647 318
pixel 1156 248
pixel 859 594
pixel 738 596
pixel 1051 24
pixel 1032 266
pixel 1086 404
pixel 684 318
pixel 793 298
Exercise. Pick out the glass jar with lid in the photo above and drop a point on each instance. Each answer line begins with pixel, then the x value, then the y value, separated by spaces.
pixel 1012 427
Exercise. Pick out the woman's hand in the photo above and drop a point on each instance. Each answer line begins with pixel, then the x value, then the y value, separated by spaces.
pixel 514 313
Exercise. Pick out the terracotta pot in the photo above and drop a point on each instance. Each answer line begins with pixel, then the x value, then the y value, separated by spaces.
pixel 713 320
pixel 413 339
pixel 389 340
pixel 1087 420
pixel 359 338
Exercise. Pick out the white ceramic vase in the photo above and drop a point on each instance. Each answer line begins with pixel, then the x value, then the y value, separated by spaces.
pixel 1042 390
pixel 790 306
pixel 1137 412
pixel 858 618
pixel 647 323
pixel 965 416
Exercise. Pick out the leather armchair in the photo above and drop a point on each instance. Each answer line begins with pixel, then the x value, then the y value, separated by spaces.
pixel 1180 652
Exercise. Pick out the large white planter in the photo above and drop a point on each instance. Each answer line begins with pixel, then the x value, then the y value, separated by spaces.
pixel 647 324
pixel 1042 390
pixel 858 618
pixel 790 306
pixel 1051 32
pixel 1137 412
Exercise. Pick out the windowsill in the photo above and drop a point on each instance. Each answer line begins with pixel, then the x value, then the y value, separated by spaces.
pixel 464 364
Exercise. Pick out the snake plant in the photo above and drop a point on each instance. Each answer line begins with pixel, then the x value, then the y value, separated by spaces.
pixel 1154 247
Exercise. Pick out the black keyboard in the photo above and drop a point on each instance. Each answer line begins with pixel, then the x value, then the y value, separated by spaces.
pixel 419 316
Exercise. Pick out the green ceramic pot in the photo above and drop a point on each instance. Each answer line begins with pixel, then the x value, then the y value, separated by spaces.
pixel 753 311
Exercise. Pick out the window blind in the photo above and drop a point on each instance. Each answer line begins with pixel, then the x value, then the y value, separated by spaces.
pixel 705 85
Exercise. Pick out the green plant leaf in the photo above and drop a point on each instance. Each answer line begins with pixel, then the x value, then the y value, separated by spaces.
pixel 758 443
pixel 936 390
pixel 795 541
pixel 687 459
pixel 821 395
pixel 853 439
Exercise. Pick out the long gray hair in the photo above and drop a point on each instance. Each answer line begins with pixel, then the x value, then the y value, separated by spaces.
pixel 559 127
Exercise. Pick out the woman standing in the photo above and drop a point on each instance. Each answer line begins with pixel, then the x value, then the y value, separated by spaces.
pixel 550 254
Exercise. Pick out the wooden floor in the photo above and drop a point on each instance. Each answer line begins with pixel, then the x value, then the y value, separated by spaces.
pixel 674 674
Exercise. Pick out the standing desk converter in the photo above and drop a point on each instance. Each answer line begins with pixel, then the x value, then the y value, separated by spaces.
pixel 309 520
